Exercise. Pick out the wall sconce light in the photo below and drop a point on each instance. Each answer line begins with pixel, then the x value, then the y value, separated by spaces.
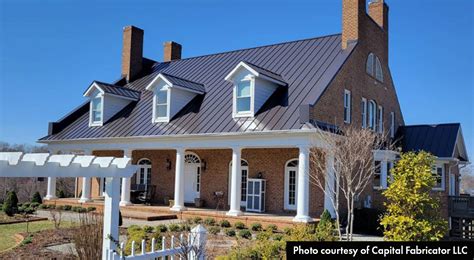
pixel 260 175
pixel 203 165
pixel 168 164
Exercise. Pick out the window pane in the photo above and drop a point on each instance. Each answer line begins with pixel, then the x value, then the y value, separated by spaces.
pixel 96 116
pixel 243 89
pixel 161 110
pixel 378 70
pixel 243 104
pixel 161 97
pixel 97 104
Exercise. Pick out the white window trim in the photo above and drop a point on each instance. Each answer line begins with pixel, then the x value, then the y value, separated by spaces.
pixel 164 119
pixel 380 119
pixel 364 113
pixel 101 122
pixel 250 113
pixel 380 173
pixel 392 124
pixel 146 171
pixel 347 97
pixel 443 176
pixel 286 189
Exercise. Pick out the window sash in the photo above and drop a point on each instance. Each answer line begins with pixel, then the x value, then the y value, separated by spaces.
pixel 364 113
pixel 380 124
pixel 243 104
pixel 392 124
pixel 347 106
pixel 243 89
pixel 438 173
pixel 377 184
pixel 96 109
pixel 372 115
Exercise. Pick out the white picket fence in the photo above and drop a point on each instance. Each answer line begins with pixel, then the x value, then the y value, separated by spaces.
pixel 192 245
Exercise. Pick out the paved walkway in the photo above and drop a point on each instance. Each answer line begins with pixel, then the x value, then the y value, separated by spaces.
pixel 74 217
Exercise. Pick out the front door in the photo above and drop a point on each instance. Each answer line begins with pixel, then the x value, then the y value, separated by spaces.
pixel 192 176
pixel 291 184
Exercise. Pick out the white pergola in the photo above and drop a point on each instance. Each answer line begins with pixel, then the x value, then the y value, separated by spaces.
pixel 17 164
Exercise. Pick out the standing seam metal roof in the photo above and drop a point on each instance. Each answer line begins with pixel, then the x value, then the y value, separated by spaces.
pixel 308 66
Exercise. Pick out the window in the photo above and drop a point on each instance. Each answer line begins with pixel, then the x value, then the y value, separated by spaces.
pixel 144 172
pixel 389 173
pixel 377 175
pixel 370 64
pixel 161 104
pixel 364 112
pixel 244 169
pixel 438 173
pixel 374 67
pixel 347 106
pixel 96 111
pixel 243 97
pixel 380 125
pixel 392 124
pixel 372 114
pixel 378 70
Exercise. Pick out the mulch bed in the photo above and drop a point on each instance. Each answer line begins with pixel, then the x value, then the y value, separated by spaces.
pixel 36 249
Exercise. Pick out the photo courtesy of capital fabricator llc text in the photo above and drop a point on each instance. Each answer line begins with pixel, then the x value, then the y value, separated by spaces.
pixel 238 129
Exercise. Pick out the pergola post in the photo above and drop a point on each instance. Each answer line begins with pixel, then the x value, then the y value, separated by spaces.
pixel 111 216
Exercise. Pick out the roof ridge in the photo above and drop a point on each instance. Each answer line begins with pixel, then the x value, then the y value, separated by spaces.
pixel 115 86
pixel 251 48
pixel 167 74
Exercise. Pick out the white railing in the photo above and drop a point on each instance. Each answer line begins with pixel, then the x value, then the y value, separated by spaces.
pixel 192 245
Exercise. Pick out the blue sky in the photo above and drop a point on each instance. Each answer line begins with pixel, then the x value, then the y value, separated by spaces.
pixel 50 51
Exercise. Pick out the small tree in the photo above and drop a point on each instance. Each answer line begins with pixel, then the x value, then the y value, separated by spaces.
pixel 352 150
pixel 325 230
pixel 412 212
pixel 37 198
pixel 10 206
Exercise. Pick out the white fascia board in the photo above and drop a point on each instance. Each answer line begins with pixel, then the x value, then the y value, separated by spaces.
pixel 91 89
pixel 122 97
pixel 151 86
pixel 230 76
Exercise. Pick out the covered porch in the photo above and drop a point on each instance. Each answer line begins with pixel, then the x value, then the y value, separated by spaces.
pixel 233 175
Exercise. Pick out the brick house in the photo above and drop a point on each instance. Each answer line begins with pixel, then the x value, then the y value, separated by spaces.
pixel 241 123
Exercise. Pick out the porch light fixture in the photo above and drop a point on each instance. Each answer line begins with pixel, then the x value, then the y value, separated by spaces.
pixel 260 175
pixel 203 165
pixel 168 164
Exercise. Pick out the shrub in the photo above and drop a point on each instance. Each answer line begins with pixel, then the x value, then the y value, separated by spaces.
pixel 89 209
pixel 264 235
pixel 197 220
pixel 25 205
pixel 239 225
pixel 185 227
pixel 136 235
pixel 161 228
pixel 413 214
pixel 27 240
pixel 214 230
pixel 34 205
pixel 134 228
pixel 256 227
pixel 147 229
pixel 75 208
pixel 60 207
pixel 61 194
pixel 43 206
pixel 287 230
pixel 277 237
pixel 272 228
pixel 67 207
pixel 245 233
pixel 224 223
pixel 174 227
pixel 37 198
pixel 10 205
pixel 210 221
pixel 325 230
pixel 81 210
pixel 229 232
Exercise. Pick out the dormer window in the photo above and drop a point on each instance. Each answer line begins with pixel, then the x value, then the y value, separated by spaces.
pixel 253 86
pixel 243 97
pixel 96 111
pixel 170 95
pixel 106 100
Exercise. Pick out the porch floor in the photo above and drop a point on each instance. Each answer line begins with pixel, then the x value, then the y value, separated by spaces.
pixel 161 212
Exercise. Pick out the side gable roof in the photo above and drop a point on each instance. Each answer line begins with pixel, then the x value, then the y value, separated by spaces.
pixel 114 90
pixel 307 66
pixel 440 140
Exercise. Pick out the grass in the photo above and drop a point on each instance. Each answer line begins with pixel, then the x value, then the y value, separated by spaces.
pixel 7 232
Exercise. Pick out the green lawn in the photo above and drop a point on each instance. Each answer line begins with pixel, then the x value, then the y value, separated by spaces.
pixel 7 232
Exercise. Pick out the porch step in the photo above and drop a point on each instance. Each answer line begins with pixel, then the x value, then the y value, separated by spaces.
pixel 146 216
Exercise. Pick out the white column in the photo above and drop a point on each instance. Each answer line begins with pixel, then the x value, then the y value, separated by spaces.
pixel 179 181
pixel 111 215
pixel 330 189
pixel 126 182
pixel 236 182
pixel 51 192
pixel 302 201
pixel 86 185
pixel 383 174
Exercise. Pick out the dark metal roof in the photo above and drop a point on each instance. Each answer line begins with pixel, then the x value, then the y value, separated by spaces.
pixel 307 66
pixel 187 84
pixel 118 91
pixel 439 140
pixel 266 72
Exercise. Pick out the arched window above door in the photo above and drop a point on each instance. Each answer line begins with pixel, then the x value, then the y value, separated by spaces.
pixel 292 163
pixel 191 158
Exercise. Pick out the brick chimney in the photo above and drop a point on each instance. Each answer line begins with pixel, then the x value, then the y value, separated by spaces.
pixel 378 10
pixel 132 52
pixel 353 13
pixel 172 51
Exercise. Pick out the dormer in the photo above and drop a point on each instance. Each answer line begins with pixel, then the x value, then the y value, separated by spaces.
pixel 171 94
pixel 106 100
pixel 253 86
